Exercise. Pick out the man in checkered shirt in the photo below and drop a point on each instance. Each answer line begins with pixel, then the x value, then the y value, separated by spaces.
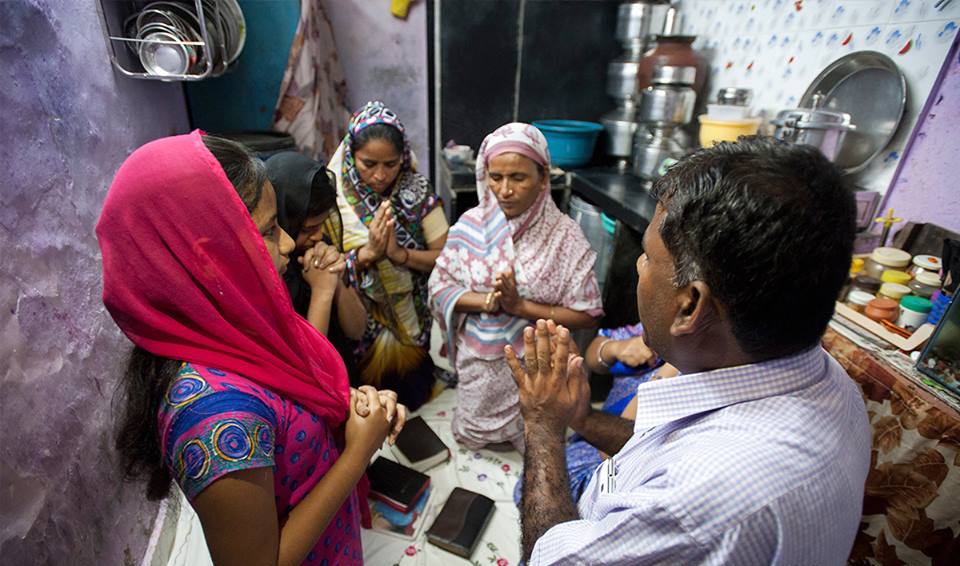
pixel 758 451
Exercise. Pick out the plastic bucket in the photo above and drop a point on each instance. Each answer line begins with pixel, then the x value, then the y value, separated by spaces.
pixel 570 142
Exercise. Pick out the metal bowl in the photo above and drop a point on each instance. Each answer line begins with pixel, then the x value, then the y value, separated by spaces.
pixel 869 87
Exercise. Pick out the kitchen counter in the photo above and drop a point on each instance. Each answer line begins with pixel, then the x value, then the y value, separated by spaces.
pixel 623 196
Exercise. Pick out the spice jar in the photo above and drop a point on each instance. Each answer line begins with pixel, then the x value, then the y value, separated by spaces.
pixel 895 276
pixel 866 284
pixel 923 263
pixel 881 309
pixel 857 300
pixel 913 312
pixel 924 284
pixel 893 291
pixel 885 258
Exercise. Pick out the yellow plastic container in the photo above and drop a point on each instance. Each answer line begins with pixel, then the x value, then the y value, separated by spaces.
pixel 895 276
pixel 714 131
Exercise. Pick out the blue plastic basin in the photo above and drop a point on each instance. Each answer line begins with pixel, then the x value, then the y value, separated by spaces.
pixel 570 142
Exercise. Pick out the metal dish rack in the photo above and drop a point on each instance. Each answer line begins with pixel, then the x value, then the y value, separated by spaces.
pixel 114 13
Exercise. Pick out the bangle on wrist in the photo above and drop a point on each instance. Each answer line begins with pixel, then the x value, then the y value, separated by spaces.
pixel 488 301
pixel 553 310
pixel 406 256
pixel 600 353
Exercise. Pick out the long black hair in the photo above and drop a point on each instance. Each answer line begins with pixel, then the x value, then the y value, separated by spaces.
pixel 148 376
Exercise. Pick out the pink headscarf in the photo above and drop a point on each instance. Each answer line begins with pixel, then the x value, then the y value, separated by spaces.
pixel 186 275
pixel 529 142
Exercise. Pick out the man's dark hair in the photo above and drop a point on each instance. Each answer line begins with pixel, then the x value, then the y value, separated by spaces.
pixel 769 227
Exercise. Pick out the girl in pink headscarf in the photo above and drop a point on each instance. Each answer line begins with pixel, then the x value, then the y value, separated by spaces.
pixel 512 259
pixel 229 392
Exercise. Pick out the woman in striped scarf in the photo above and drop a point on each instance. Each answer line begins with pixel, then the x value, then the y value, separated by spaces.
pixel 512 259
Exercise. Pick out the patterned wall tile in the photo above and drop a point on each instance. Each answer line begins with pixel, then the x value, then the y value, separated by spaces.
pixel 777 48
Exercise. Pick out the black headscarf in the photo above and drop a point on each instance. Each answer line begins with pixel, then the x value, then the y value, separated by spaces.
pixel 292 176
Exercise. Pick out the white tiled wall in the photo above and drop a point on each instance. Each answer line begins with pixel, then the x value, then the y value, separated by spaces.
pixel 777 48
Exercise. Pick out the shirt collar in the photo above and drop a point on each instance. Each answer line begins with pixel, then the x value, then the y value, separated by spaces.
pixel 667 400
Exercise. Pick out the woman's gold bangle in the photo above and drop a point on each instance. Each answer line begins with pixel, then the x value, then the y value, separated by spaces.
pixel 553 311
pixel 488 301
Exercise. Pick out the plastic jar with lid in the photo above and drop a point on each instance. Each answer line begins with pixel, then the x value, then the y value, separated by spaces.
pixel 913 312
pixel 923 263
pixel 895 276
pixel 885 258
pixel 893 291
pixel 857 300
pixel 924 284
pixel 882 309
pixel 866 284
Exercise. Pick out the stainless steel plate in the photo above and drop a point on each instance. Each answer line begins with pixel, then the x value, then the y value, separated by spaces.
pixel 870 87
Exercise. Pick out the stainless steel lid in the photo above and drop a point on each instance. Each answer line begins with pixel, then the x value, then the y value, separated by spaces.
pixel 670 75
pixel 734 96
pixel 869 87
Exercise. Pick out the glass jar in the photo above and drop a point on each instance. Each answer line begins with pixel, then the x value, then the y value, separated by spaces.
pixel 924 284
pixel 866 284
pixel 893 291
pixel 858 300
pixel 885 258
pixel 921 263
pixel 881 309
pixel 895 276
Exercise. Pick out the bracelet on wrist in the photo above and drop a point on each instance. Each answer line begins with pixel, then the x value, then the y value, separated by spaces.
pixel 600 353
pixel 488 301
pixel 406 256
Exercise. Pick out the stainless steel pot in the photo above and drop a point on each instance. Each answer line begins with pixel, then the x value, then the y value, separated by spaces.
pixel 672 75
pixel 622 74
pixel 823 129
pixel 733 96
pixel 666 104
pixel 650 150
pixel 637 20
pixel 620 126
pixel 622 79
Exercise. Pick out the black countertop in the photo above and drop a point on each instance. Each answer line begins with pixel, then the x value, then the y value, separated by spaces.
pixel 623 196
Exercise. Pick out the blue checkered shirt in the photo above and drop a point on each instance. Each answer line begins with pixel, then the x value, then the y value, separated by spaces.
pixel 751 465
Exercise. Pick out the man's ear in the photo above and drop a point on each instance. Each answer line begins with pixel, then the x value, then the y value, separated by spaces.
pixel 695 309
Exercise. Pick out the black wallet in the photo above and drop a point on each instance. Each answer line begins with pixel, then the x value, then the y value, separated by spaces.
pixel 461 522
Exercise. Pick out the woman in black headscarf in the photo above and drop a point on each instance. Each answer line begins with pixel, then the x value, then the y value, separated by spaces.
pixel 307 210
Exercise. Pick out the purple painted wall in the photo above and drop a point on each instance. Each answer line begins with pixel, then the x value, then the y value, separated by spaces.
pixel 385 58
pixel 68 122
pixel 925 189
